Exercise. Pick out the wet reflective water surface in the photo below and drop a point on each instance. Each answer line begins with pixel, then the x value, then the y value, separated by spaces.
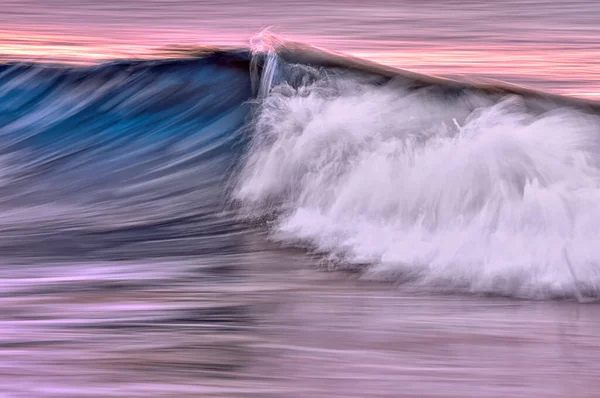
pixel 268 324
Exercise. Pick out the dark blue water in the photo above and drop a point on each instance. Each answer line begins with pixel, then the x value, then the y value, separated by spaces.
pixel 117 155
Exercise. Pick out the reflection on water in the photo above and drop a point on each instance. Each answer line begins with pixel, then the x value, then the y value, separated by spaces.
pixel 264 324
pixel 382 343
pixel 120 329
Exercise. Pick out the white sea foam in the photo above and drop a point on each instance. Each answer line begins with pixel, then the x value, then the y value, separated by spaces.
pixel 492 200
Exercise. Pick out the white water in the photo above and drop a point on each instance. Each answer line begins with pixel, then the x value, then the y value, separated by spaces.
pixel 493 200
pixel 265 44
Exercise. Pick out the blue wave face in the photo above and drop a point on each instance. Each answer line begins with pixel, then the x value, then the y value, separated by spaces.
pixel 122 152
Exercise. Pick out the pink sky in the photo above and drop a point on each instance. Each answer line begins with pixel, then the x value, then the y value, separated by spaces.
pixel 548 46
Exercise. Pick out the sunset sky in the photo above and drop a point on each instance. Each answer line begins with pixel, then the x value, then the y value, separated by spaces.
pixel 546 46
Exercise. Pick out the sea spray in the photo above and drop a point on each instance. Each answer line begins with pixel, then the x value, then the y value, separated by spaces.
pixel 475 194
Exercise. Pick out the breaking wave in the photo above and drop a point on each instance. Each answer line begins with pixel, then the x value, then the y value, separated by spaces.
pixel 434 183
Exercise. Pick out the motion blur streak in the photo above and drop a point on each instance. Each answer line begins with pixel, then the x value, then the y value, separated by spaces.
pixel 150 210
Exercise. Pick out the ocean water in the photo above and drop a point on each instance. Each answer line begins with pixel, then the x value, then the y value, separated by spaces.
pixel 275 220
